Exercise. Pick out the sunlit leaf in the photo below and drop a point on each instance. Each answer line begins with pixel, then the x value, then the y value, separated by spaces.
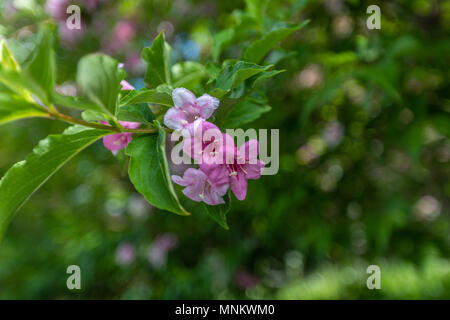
pixel 14 108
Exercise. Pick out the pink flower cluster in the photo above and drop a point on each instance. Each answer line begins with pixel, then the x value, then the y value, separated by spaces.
pixel 221 164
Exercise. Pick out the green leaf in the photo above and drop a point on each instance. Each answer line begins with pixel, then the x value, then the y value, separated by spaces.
pixel 219 213
pixel 93 116
pixel 262 77
pixel 220 41
pixel 41 66
pixel 7 59
pixel 157 58
pixel 139 112
pixel 11 75
pixel 25 177
pixel 259 48
pixel 245 111
pixel 188 74
pixel 149 172
pixel 233 74
pixel 99 78
pixel 74 102
pixel 157 96
pixel 13 107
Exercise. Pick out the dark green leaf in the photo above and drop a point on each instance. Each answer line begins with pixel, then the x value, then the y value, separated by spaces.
pixel 219 213
pixel 157 58
pixel 259 48
pixel 139 112
pixel 233 74
pixel 245 111
pixel 149 172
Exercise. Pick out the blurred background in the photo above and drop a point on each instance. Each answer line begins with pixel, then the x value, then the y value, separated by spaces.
pixel 364 162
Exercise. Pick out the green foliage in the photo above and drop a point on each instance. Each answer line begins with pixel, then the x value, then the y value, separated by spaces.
pixel 363 117
pixel 259 48
pixel 139 112
pixel 246 111
pixel 146 152
pixel 219 213
pixel 157 58
pixel 233 74
pixel 25 177
pixel 40 65
pixel 13 108
pixel 158 96
pixel 99 77
pixel 221 40
pixel 188 74
pixel 73 102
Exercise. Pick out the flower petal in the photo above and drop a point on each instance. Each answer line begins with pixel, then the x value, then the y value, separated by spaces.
pixel 196 181
pixel 183 98
pixel 126 86
pixel 115 142
pixel 239 185
pixel 217 174
pixel 248 152
pixel 213 199
pixel 129 124
pixel 207 105
pixel 175 118
pixel 253 171
pixel 179 180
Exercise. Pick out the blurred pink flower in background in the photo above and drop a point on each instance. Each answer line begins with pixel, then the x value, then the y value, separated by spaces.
pixel 125 254
pixel 70 37
pixel 124 31
pixel 91 5
pixel 333 133
pixel 245 280
pixel 134 62
pixel 157 255
pixel 123 34
pixel 57 8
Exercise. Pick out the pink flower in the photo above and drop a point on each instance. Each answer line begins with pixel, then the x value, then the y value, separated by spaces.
pixel 236 166
pixel 126 85
pixel 188 108
pixel 117 141
pixel 200 188
pixel 198 136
